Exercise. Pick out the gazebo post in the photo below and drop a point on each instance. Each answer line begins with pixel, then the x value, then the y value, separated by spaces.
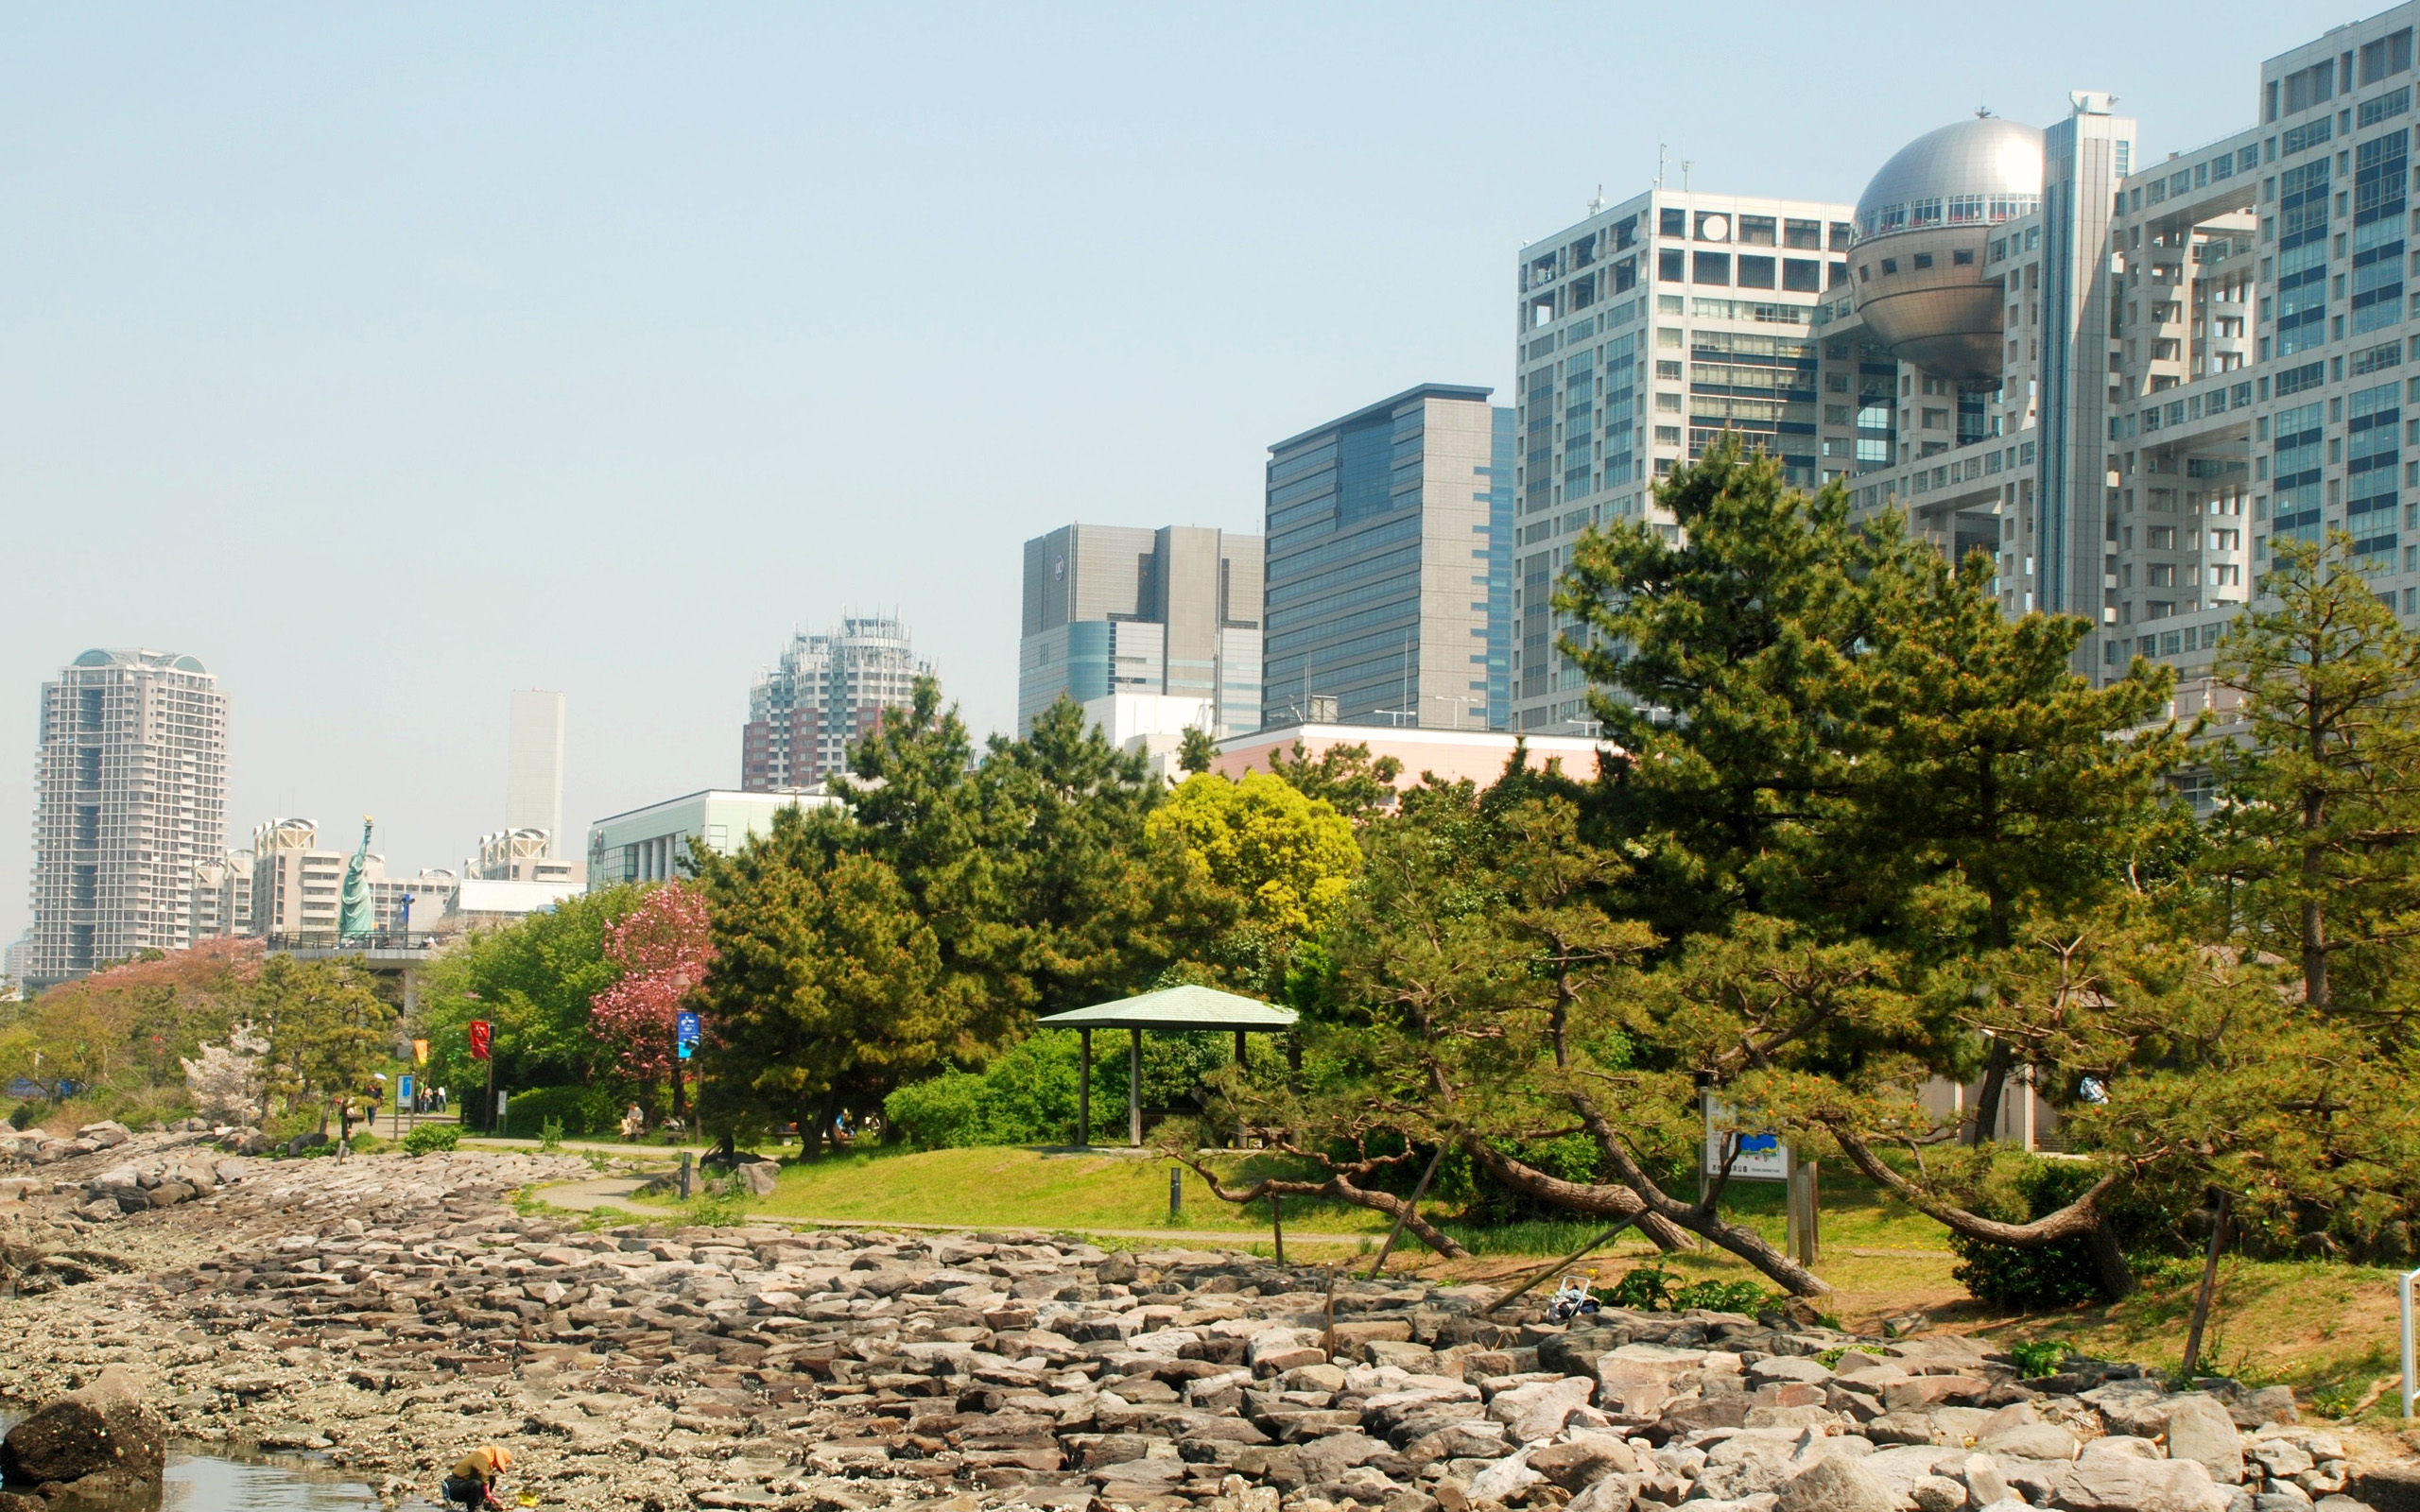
pixel 1239 1075
pixel 1134 1086
pixel 1084 1091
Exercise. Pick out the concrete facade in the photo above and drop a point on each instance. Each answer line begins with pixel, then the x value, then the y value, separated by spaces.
pixel 1115 610
pixel 1451 755
pixel 650 844
pixel 533 787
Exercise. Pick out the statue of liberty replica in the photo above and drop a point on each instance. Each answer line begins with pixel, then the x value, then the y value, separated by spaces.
pixel 355 914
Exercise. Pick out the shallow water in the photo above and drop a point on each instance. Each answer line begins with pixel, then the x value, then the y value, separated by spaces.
pixel 214 1483
pixel 202 1482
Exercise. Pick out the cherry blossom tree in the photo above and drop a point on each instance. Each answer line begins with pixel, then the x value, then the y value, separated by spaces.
pixel 662 948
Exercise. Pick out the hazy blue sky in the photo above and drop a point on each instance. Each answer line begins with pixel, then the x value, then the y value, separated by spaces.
pixel 389 357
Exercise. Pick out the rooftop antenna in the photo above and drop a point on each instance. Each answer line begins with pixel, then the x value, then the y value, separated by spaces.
pixel 1597 205
pixel 1659 164
pixel 1983 113
pixel 1686 167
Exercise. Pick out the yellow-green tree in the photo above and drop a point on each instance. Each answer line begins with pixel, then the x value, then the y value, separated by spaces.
pixel 1287 859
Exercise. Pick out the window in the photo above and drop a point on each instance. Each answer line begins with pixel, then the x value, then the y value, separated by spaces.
pixel 1671 264
pixel 1713 225
pixel 2306 87
pixel 1710 268
pixel 1923 260
pixel 1672 223
pixel 1756 230
pixel 1936 419
pixel 1803 235
pixel 2391 54
pixel 2393 102
pixel 1755 273
pixel 1890 265
pixel 1843 232
pixel 1800 275
pixel 1963 257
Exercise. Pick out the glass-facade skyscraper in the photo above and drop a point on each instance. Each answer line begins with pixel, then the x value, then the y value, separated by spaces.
pixel 1389 586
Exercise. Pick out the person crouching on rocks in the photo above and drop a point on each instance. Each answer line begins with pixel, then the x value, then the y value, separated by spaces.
pixel 476 1479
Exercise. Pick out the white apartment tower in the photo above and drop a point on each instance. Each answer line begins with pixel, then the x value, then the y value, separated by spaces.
pixel 827 693
pixel 1645 330
pixel 130 797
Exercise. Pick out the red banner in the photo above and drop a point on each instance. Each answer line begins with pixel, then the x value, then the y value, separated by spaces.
pixel 479 1038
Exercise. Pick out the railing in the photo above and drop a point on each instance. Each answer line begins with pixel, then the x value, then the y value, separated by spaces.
pixel 328 939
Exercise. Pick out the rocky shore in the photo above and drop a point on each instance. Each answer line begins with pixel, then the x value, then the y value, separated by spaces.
pixel 389 1312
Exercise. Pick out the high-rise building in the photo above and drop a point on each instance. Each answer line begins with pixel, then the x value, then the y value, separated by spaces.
pixel 1644 332
pixel 131 795
pixel 222 895
pixel 1388 593
pixel 827 693
pixel 297 887
pixel 2123 381
pixel 522 855
pixel 533 786
pixel 1121 610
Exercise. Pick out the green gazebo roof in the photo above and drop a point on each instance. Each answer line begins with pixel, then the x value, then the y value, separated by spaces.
pixel 1176 1007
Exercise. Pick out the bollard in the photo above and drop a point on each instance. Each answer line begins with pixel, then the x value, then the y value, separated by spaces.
pixel 1176 1192
pixel 685 1176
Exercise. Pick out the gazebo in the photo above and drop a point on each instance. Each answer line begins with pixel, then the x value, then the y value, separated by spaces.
pixel 1181 1010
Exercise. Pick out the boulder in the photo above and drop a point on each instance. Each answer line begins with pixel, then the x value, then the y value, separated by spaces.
pixel 103 1430
pixel 107 1134
pixel 2204 1432
pixel 1836 1484
pixel 2387 1487
pixel 1584 1459
pixel 2121 1482
pixel 757 1177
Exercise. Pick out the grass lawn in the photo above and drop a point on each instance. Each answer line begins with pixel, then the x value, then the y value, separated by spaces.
pixel 2326 1329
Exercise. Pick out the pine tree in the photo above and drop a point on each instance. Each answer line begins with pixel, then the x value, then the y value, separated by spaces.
pixel 2319 831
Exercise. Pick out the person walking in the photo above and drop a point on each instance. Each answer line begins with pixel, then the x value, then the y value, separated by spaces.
pixel 477 1477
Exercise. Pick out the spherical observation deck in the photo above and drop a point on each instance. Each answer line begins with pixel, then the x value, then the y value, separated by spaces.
pixel 1918 264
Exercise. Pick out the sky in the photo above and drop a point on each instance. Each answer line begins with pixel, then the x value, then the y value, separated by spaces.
pixel 389 358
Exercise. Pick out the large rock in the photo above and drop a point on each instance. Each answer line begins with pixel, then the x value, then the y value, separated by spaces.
pixel 2202 1431
pixel 2387 1487
pixel 103 1430
pixel 1836 1484
pixel 758 1176
pixel 2121 1482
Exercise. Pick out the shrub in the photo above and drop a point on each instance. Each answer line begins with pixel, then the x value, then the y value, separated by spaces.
pixel 429 1138
pixel 2047 1276
pixel 577 1109
pixel 1027 1095
pixel 2040 1357
pixel 550 1134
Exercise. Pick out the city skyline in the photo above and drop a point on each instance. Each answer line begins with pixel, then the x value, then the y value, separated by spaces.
pixel 395 420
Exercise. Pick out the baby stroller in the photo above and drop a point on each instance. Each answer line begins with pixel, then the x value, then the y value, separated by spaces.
pixel 1571 1300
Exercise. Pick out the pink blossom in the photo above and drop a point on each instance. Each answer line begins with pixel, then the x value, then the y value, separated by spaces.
pixel 662 947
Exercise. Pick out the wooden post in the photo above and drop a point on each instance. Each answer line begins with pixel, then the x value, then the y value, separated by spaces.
pixel 1805 1228
pixel 1277 1222
pixel 1240 1076
pixel 2209 1283
pixel 1401 1218
pixel 1134 1086
pixel 1084 1090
